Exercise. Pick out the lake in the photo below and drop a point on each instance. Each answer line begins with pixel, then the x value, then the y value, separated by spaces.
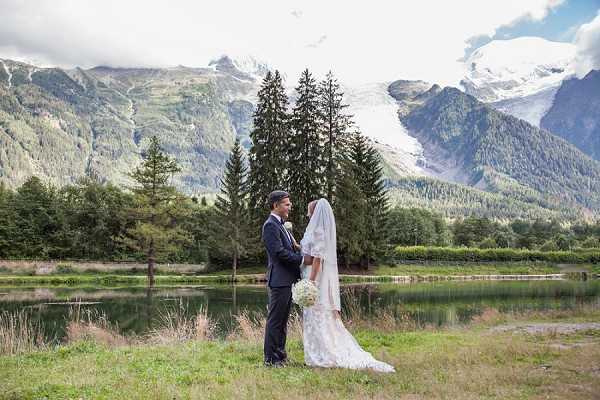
pixel 137 310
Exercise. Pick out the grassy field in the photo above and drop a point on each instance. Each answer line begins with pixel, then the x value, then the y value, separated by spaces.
pixel 473 362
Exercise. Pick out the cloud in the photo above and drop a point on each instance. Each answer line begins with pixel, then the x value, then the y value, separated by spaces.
pixel 587 42
pixel 374 40
pixel 318 42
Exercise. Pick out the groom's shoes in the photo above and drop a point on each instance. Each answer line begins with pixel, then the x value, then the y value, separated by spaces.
pixel 275 364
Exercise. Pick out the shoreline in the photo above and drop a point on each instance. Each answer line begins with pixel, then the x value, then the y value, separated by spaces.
pixel 161 280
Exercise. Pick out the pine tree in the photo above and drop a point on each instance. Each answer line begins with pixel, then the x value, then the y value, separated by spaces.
pixel 351 214
pixel 7 223
pixel 336 128
pixel 231 231
pixel 159 208
pixel 368 173
pixel 268 153
pixel 305 177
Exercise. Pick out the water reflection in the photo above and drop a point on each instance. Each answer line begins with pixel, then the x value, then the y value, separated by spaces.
pixel 138 310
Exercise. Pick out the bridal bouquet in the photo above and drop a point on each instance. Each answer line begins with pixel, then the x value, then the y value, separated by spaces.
pixel 305 293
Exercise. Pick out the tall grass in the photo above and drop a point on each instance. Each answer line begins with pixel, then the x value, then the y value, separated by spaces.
pixel 250 327
pixel 176 326
pixel 92 325
pixel 19 333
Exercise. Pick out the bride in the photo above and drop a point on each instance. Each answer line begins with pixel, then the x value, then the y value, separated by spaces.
pixel 327 343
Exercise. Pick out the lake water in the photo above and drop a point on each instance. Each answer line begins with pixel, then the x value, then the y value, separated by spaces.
pixel 137 310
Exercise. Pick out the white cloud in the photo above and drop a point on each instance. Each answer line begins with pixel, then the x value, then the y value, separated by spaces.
pixel 366 41
pixel 587 41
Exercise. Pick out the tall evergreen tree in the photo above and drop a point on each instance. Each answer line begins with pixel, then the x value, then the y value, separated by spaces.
pixel 232 234
pixel 305 177
pixel 351 214
pixel 158 208
pixel 268 153
pixel 368 172
pixel 7 223
pixel 336 126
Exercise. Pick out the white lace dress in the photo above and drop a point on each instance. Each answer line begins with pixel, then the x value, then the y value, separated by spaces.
pixel 327 343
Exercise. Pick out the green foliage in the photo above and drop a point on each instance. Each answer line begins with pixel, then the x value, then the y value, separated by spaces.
pixel 97 217
pixel 456 200
pixel 365 165
pixel 421 253
pixel 417 226
pixel 351 215
pixel 231 233
pixel 472 230
pixel 336 125
pixel 305 156
pixel 268 158
pixel 157 209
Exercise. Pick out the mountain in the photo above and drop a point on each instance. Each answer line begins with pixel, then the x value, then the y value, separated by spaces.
pixel 519 76
pixel 374 111
pixel 63 124
pixel 466 141
pixel 457 200
pixel 575 113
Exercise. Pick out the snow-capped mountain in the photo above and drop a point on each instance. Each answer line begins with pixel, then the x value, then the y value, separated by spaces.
pixel 243 67
pixel 519 76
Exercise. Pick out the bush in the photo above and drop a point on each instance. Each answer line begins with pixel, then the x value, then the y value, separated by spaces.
pixel 549 245
pixel 422 253
pixel 591 243
pixel 488 243
pixel 64 269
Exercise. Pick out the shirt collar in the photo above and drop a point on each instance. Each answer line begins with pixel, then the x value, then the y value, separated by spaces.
pixel 278 217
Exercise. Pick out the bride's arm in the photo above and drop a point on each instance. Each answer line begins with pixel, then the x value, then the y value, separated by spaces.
pixel 316 266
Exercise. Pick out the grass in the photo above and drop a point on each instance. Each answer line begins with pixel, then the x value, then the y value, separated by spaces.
pixel 465 363
pixel 451 269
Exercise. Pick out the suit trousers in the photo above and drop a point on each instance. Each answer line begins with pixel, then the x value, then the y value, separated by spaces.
pixel 280 303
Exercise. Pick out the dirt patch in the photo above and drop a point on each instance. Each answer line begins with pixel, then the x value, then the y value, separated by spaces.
pixel 549 327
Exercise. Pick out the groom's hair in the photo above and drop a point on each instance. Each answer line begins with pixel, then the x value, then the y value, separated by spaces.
pixel 276 196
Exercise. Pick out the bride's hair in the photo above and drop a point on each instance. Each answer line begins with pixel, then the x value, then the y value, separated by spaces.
pixel 311 206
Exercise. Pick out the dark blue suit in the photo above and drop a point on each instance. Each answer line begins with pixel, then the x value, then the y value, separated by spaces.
pixel 283 270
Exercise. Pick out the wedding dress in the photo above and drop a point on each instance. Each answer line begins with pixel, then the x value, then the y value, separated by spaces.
pixel 327 342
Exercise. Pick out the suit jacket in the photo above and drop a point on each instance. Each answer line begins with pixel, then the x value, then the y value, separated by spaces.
pixel 284 261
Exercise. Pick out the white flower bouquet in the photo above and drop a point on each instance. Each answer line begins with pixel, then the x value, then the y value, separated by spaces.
pixel 305 293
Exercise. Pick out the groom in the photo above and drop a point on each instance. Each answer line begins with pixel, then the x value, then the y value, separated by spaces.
pixel 283 270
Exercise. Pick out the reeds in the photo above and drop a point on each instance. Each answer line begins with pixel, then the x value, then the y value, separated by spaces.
pixel 176 325
pixel 92 325
pixel 19 333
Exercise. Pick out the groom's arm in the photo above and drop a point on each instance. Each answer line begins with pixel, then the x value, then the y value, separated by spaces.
pixel 274 245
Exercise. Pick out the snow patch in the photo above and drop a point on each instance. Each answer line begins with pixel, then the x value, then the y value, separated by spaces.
pixel 7 70
pixel 505 69
pixel 529 108
pixel 376 114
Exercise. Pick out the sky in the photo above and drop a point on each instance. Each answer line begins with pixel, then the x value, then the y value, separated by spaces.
pixel 360 41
